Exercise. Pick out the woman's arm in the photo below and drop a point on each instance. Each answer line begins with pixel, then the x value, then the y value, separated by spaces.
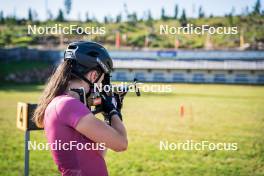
pixel 113 136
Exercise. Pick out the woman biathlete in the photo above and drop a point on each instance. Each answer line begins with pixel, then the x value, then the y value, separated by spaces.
pixel 70 123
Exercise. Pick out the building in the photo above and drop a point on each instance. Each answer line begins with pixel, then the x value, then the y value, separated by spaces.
pixel 236 67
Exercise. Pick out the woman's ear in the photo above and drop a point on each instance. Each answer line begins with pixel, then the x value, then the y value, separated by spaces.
pixel 92 75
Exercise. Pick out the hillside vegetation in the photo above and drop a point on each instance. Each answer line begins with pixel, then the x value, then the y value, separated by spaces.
pixel 139 34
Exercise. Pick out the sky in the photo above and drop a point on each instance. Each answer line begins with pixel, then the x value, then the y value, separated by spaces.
pixel 102 8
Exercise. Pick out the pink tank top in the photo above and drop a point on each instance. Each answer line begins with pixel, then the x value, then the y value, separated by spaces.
pixel 61 117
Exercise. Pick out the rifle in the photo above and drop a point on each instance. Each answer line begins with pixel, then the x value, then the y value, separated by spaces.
pixel 118 94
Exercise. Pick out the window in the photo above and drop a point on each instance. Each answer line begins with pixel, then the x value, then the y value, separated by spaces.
pixel 241 78
pixel 198 77
pixel 219 78
pixel 158 77
pixel 140 76
pixel 121 76
pixel 178 77
pixel 260 79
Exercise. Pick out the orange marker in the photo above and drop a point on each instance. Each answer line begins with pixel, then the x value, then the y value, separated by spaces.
pixel 182 111
pixel 117 42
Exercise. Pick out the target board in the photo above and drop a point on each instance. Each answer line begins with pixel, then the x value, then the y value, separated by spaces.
pixel 24 116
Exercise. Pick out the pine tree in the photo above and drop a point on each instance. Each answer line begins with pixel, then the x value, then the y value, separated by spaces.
pixel 87 18
pixel 163 16
pixel 176 11
pixel 201 13
pixel 132 18
pixel 118 18
pixel 30 15
pixel 106 20
pixel 60 16
pixel 149 16
pixel 149 21
pixel 257 8
pixel 183 19
pixel 2 18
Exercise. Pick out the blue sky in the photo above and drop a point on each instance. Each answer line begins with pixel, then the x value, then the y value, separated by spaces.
pixel 101 8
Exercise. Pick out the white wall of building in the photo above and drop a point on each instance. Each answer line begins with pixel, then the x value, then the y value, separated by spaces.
pixel 190 76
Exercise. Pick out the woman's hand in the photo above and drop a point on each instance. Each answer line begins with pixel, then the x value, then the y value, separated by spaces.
pixel 113 136
pixel 107 105
pixel 109 109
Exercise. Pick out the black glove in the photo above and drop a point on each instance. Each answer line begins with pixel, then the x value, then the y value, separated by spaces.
pixel 119 101
pixel 109 109
pixel 107 105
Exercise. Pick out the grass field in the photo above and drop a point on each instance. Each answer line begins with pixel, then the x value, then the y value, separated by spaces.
pixel 216 113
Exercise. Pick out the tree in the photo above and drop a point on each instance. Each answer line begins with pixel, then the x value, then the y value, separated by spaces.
pixel 2 18
pixel 87 18
pixel 176 11
pixel 149 21
pixel 183 18
pixel 149 18
pixel 30 18
pixel 67 4
pixel 257 8
pixel 201 12
pixel 163 15
pixel 118 18
pixel 106 20
pixel 60 16
pixel 230 18
pixel 132 18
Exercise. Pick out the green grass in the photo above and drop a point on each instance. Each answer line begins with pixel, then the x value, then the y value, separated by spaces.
pixel 220 113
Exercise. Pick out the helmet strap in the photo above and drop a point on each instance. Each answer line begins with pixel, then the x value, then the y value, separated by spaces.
pixel 80 76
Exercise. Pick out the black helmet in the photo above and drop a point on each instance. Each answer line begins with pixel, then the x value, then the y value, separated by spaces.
pixel 86 56
pixel 89 55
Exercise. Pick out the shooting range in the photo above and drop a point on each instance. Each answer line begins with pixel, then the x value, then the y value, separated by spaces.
pixel 192 103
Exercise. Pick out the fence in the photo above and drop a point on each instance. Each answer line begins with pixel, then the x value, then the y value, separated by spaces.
pixel 242 67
